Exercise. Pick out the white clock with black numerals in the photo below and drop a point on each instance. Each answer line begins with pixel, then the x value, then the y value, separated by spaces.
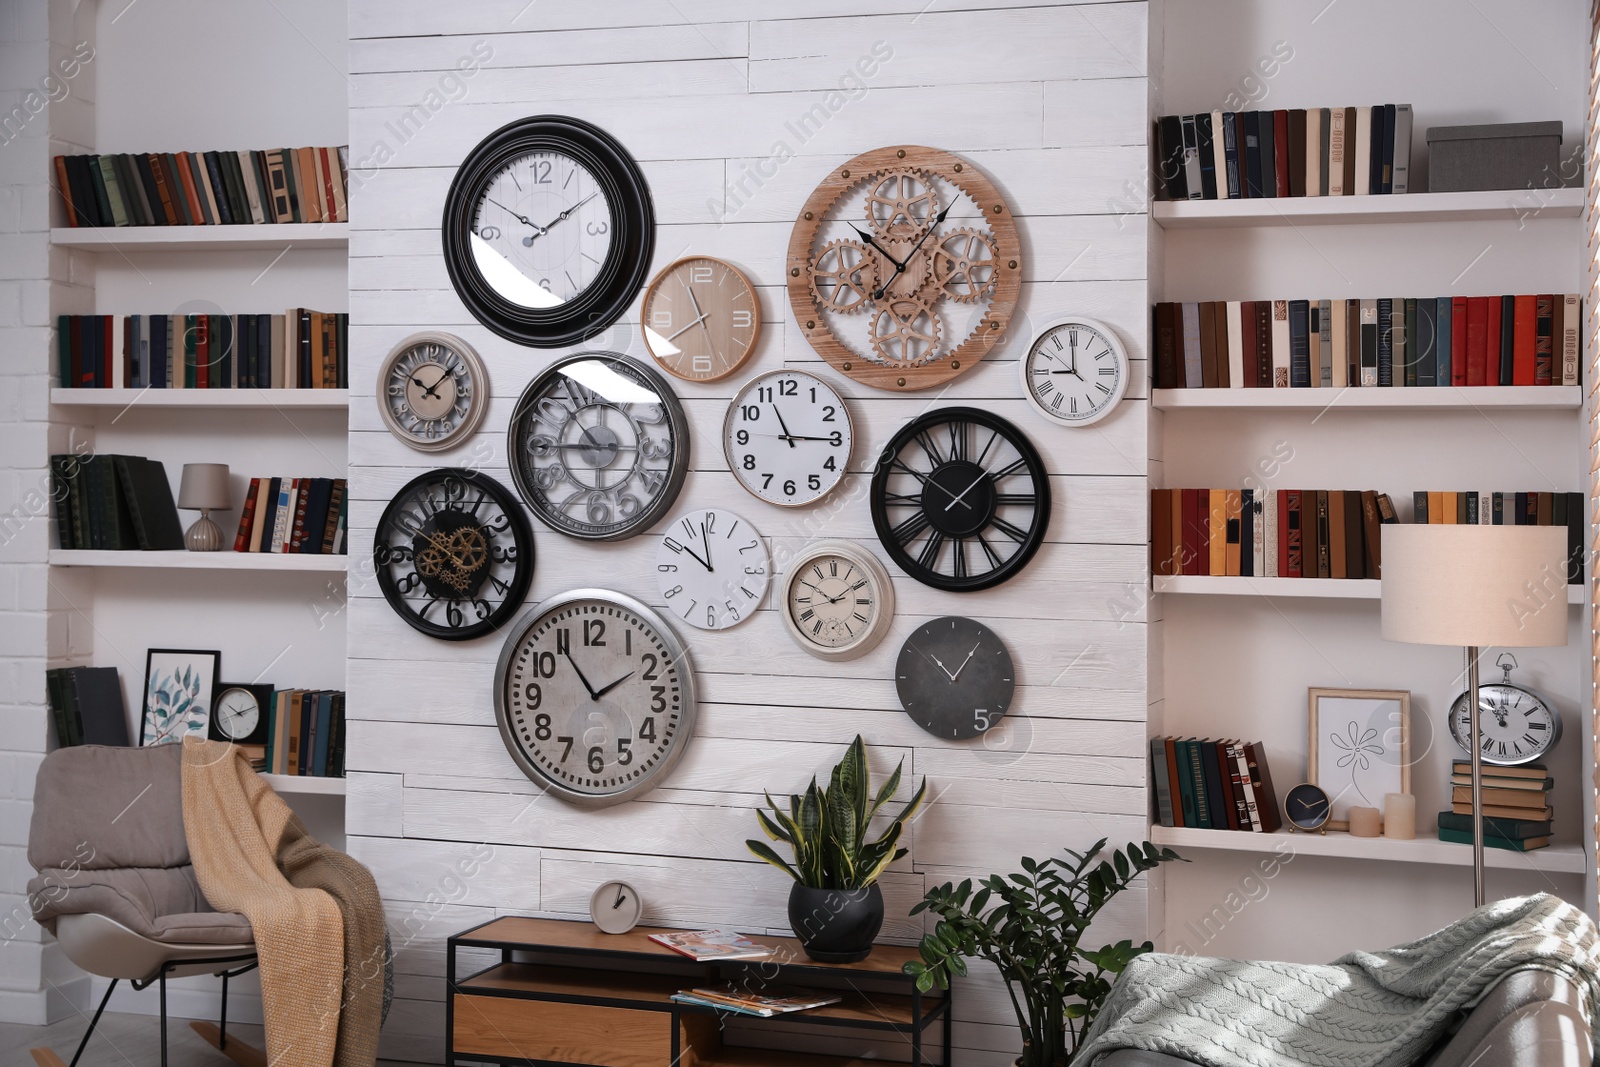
pixel 1075 372
pixel 787 437
pixel 712 569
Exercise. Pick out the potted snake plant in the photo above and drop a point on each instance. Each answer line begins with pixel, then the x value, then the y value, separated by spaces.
pixel 835 905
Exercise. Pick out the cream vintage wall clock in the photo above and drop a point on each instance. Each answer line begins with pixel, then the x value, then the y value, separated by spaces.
pixel 838 600
pixel 787 436
pixel 433 391
pixel 904 267
pixel 701 318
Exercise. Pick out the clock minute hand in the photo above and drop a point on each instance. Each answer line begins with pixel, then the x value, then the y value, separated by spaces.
pixel 592 694
pixel 567 212
pixel 966 661
pixel 900 267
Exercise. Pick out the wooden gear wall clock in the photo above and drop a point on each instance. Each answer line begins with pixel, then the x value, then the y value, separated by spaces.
pixel 904 267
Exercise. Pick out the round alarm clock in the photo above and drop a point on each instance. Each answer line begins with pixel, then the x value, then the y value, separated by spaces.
pixel 1515 724
pixel 1306 807
pixel 615 907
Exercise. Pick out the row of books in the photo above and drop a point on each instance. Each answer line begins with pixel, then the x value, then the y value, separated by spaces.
pixel 303 515
pixel 1530 339
pixel 205 188
pixel 119 503
pixel 1228 155
pixel 300 349
pixel 1516 806
pixel 1213 785
pixel 86 706
pixel 305 733
pixel 1327 533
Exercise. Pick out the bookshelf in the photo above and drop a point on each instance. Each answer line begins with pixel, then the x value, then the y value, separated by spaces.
pixel 285 399
pixel 200 561
pixel 309 786
pixel 1235 656
pixel 122 239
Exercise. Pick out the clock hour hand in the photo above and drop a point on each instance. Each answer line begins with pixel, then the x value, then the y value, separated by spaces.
pixel 691 326
pixel 901 266
pixel 622 895
pixel 603 691
pixel 592 694
pixel 696 557
pixel 935 661
pixel 520 218
pixel 966 661
pixel 567 212
pixel 873 243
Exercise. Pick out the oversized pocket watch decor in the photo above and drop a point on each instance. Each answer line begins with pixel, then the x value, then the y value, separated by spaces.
pixel 548 230
pixel 712 569
pixel 453 554
pixel 1515 724
pixel 960 499
pixel 788 436
pixel 700 318
pixel 838 600
pixel 598 446
pixel 1075 372
pixel 594 695
pixel 432 391
pixel 954 678
pixel 904 267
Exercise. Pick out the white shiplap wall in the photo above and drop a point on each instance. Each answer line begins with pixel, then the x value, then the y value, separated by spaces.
pixel 1051 101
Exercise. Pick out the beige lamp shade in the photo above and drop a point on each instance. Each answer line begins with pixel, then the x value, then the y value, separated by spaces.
pixel 204 487
pixel 1477 586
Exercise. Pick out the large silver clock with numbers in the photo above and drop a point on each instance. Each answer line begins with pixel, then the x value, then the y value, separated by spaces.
pixel 594 695
pixel 598 446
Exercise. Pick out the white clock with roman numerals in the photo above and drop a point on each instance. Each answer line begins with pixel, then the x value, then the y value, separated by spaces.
pixel 1516 725
pixel 712 569
pixel 838 600
pixel 1075 371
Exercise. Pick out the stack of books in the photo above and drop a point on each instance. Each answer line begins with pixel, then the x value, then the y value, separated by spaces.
pixel 112 502
pixel 299 349
pixel 1339 151
pixel 1213 785
pixel 1516 807
pixel 1526 339
pixel 205 188
pixel 305 733
pixel 86 706
pixel 770 1001
pixel 301 515
pixel 1257 533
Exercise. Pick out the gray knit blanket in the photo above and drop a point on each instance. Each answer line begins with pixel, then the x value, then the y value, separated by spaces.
pixel 1366 1009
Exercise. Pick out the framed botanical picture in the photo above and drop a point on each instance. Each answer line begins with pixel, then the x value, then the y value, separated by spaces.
pixel 1360 747
pixel 179 686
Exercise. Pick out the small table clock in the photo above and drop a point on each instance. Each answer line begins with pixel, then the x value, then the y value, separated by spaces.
pixel 1306 807
pixel 615 907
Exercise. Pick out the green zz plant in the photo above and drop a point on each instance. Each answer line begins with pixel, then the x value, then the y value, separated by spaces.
pixel 827 828
pixel 1029 925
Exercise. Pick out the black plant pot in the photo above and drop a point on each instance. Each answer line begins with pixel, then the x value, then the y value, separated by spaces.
pixel 836 925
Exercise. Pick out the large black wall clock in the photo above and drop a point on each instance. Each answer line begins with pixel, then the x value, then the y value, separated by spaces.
pixel 594 695
pixel 548 231
pixel 960 499
pixel 453 554
pixel 598 446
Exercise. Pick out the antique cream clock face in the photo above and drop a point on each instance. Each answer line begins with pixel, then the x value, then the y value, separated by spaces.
pixel 787 436
pixel 432 391
pixel 1075 372
pixel 838 600
pixel 712 569
pixel 701 318
pixel 904 267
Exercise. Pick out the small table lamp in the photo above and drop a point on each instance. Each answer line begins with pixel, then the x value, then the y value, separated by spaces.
pixel 204 488
pixel 1475 586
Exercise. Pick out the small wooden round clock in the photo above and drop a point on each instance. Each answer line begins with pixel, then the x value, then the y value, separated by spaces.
pixel 700 318
pixel 904 268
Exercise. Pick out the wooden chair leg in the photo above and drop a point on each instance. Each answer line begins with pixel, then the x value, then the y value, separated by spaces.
pixel 236 1050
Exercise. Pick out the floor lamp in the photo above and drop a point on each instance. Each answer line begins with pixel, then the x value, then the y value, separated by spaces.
pixel 1475 587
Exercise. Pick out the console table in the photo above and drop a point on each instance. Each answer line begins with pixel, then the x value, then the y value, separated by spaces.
pixel 562 992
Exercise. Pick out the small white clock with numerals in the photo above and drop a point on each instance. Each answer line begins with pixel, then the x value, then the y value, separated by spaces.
pixel 787 437
pixel 1075 372
pixel 712 569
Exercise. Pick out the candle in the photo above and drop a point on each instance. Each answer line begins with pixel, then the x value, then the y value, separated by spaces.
pixel 1399 816
pixel 1364 822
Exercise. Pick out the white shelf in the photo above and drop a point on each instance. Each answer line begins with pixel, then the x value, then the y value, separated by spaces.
pixel 201 398
pixel 294 783
pixel 199 561
pixel 1314 588
pixel 1357 399
pixel 202 238
pixel 1346 210
pixel 1568 859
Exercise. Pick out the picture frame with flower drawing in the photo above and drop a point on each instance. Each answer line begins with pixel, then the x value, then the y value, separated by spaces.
pixel 179 686
pixel 1359 747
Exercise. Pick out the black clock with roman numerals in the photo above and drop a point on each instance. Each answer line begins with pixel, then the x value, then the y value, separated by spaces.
pixel 960 499
pixel 453 554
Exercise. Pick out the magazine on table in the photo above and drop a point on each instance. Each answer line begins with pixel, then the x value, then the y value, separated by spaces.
pixel 711 945
pixel 767 1003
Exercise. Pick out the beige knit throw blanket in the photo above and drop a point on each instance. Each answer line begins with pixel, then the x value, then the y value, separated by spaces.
pixel 316 914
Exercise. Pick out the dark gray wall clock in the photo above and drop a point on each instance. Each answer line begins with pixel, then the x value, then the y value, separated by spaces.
pixel 548 230
pixel 960 499
pixel 453 554
pixel 954 677
pixel 598 446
